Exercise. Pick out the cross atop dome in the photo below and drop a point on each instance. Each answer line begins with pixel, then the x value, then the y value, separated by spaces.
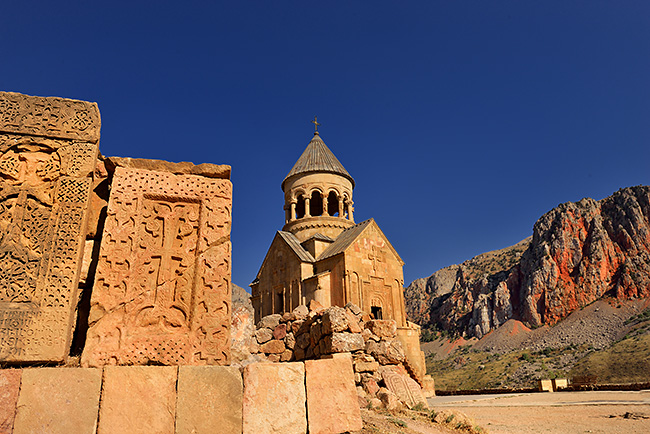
pixel 316 124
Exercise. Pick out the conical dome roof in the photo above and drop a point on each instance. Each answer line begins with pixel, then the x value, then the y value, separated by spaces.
pixel 318 158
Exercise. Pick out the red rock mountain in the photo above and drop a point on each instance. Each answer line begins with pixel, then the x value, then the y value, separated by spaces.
pixel 579 252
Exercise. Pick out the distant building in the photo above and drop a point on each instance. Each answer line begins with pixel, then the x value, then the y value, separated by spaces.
pixel 321 254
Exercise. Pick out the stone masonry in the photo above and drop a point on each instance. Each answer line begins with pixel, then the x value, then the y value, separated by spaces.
pixel 162 287
pixel 48 149
pixel 380 366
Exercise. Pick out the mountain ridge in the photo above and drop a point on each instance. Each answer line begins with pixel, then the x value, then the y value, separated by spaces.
pixel 578 253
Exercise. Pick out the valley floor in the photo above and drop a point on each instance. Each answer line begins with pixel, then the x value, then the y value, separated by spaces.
pixel 611 412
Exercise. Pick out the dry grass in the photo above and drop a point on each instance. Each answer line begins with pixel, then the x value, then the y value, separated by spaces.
pixel 627 361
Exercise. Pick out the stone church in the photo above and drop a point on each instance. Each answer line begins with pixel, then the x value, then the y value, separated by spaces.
pixel 321 254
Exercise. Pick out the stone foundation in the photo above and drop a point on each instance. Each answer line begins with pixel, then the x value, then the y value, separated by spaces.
pixel 374 347
pixel 267 398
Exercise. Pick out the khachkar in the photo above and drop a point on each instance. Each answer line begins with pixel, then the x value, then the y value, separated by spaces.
pixel 48 150
pixel 162 287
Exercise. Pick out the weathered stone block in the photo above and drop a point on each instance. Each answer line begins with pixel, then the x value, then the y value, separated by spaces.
pixel 389 400
pixel 242 340
pixel 280 331
pixel 274 398
pixel 383 328
pixel 343 342
pixel 386 352
pixel 407 390
pixel 9 388
pixel 334 320
pixel 263 335
pixel 332 404
pixel 58 401
pixel 48 150
pixel 162 286
pixel 183 168
pixel 138 400
pixel 301 312
pixel 270 321
pixel 363 366
pixel 290 341
pixel 273 347
pixel 209 400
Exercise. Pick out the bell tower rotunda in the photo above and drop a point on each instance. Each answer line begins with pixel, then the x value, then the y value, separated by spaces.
pixel 318 194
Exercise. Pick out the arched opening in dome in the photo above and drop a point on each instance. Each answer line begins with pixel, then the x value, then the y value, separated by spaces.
pixel 333 204
pixel 316 204
pixel 300 207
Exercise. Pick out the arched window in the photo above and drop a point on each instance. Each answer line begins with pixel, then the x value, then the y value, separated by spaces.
pixel 316 204
pixel 333 204
pixel 300 207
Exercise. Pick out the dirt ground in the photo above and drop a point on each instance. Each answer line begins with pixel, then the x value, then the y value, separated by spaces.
pixel 557 413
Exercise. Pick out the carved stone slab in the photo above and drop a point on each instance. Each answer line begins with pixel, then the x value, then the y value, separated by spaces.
pixel 162 286
pixel 407 389
pixel 49 117
pixel 44 189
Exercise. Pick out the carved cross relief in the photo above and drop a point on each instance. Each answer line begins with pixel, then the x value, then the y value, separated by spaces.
pixel 375 257
pixel 169 241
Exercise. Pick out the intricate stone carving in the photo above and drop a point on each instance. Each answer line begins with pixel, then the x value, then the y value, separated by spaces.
pixel 44 191
pixel 162 288
pixel 406 389
pixel 49 117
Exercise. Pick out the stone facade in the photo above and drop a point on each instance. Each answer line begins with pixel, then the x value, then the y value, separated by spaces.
pixel 162 287
pixel 48 150
pixel 149 239
pixel 321 255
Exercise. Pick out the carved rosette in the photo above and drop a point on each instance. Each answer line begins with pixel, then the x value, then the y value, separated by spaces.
pixel 162 287
pixel 46 165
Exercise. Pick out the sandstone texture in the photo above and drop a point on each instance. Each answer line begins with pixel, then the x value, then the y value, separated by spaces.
pixel 274 398
pixel 138 400
pixel 243 344
pixel 183 168
pixel 209 397
pixel 162 286
pixel 579 252
pixel 407 390
pixel 332 405
pixel 9 388
pixel 48 150
pixel 310 335
pixel 58 401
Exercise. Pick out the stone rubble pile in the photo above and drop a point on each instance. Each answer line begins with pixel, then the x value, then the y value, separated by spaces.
pixel 315 332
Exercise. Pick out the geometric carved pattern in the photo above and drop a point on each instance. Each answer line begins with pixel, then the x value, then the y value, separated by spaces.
pixel 49 117
pixel 162 285
pixel 43 201
pixel 406 389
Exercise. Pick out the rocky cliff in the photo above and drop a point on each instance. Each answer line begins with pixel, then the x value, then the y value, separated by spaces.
pixel 579 252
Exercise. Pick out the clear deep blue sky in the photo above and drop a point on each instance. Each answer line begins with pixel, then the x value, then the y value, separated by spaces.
pixel 462 122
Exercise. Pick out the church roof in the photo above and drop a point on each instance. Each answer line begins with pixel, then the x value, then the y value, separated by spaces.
pixel 344 240
pixel 318 158
pixel 349 235
pixel 294 243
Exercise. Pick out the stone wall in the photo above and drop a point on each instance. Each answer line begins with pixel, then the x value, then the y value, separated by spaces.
pixel 265 398
pixel 48 149
pixel 318 333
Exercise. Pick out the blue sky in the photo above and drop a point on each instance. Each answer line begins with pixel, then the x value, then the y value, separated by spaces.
pixel 462 122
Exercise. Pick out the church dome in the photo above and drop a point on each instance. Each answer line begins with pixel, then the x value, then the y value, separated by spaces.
pixel 317 158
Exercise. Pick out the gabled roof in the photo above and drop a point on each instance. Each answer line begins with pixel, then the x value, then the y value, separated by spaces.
pixel 349 235
pixel 294 243
pixel 344 240
pixel 321 237
pixel 318 158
